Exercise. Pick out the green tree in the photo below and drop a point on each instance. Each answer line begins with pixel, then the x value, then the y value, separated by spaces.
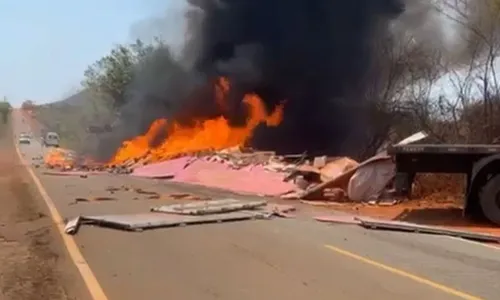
pixel 5 109
pixel 112 74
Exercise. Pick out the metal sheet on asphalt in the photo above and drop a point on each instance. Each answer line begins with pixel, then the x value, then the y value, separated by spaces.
pixel 209 207
pixel 372 223
pixel 338 219
pixel 135 222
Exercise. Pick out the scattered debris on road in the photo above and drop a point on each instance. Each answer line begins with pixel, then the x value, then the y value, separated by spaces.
pixel 66 173
pixel 339 219
pixel 185 214
pixel 146 194
pixel 209 207
pixel 139 222
pixel 380 224
pixel 59 158
pixel 93 199
pixel 157 195
pixel 263 173
pixel 372 223
pixel 321 181
pixel 186 196
pixel 113 189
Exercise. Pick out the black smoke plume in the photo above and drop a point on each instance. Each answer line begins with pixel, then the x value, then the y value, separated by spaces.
pixel 314 54
pixel 317 55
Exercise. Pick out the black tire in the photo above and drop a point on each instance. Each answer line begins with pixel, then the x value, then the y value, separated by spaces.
pixel 489 199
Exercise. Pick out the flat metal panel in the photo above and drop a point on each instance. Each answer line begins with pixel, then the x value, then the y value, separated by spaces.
pixel 406 226
pixel 209 207
pixel 338 219
pixel 137 222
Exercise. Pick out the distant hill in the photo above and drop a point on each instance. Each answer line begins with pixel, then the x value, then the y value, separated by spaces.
pixel 76 118
pixel 81 98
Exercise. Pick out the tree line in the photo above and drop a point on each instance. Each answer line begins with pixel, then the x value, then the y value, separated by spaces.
pixel 5 109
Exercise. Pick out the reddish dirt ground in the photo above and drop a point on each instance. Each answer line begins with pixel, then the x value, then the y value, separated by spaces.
pixel 34 262
pixel 437 200
pixel 423 211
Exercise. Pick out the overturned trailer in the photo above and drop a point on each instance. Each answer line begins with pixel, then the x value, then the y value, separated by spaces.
pixel 480 164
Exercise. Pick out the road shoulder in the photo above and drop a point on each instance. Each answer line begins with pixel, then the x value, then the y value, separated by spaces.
pixel 34 265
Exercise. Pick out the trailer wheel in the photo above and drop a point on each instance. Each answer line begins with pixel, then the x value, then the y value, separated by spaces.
pixel 489 199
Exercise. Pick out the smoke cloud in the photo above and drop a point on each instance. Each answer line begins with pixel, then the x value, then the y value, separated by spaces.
pixel 317 55
pixel 312 54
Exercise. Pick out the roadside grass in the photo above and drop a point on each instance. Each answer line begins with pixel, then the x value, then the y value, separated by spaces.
pixel 4 127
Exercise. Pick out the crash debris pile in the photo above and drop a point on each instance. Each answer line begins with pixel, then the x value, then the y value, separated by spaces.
pixel 342 179
pixel 242 171
pixel 65 160
pixel 247 171
pixel 290 177
pixel 235 158
pixel 59 158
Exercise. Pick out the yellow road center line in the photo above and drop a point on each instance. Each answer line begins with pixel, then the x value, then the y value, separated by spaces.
pixel 405 274
pixel 93 286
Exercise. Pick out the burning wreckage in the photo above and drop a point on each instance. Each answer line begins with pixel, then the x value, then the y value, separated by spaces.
pixel 287 177
pixel 213 153
pixel 338 179
pixel 315 57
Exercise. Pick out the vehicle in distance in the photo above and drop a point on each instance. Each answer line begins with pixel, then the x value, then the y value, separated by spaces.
pixel 51 140
pixel 24 138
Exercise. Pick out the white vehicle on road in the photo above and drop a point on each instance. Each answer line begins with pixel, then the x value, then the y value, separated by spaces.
pixel 51 140
pixel 24 138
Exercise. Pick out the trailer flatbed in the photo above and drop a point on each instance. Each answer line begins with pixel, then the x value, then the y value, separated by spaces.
pixel 446 148
pixel 480 163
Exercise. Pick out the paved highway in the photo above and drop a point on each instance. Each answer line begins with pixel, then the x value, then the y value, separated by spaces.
pixel 274 259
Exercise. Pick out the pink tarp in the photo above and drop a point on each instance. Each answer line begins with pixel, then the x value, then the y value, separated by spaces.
pixel 164 169
pixel 249 180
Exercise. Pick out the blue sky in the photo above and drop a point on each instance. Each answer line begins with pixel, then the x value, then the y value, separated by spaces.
pixel 48 44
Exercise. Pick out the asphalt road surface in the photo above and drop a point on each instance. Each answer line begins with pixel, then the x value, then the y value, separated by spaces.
pixel 267 259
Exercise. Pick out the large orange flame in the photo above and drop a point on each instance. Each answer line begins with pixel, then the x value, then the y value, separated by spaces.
pixel 211 134
pixel 59 158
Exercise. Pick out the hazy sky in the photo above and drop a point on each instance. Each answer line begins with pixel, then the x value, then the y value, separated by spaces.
pixel 48 44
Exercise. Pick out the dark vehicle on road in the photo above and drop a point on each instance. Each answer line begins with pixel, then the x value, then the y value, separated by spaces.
pixel 480 164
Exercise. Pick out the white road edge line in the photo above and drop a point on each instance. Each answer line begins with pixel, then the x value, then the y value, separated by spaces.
pixel 475 243
pixel 93 286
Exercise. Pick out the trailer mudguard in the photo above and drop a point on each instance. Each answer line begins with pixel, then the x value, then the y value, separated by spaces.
pixel 478 177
